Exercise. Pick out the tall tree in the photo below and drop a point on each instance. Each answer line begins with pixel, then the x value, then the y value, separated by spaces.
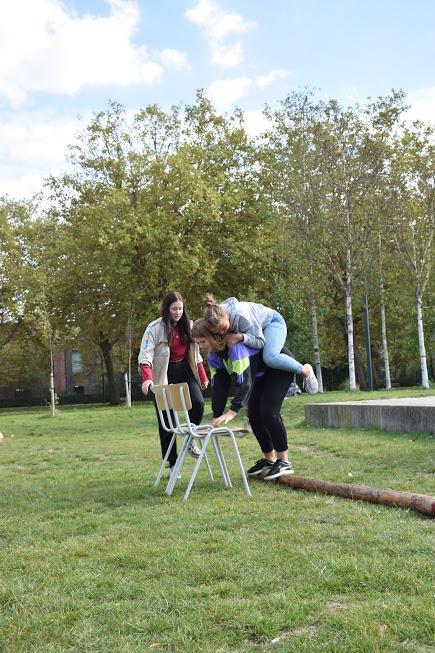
pixel 292 167
pixel 413 216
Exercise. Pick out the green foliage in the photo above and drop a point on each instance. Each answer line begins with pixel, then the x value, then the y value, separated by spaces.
pixel 326 203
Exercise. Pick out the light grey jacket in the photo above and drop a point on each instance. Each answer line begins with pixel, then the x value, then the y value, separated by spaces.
pixel 154 351
pixel 250 319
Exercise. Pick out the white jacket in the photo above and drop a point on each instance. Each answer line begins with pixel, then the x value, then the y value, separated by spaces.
pixel 154 351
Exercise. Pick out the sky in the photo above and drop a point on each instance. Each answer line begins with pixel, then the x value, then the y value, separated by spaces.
pixel 63 60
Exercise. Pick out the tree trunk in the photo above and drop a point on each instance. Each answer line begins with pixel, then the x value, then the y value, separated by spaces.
pixel 52 392
pixel 349 322
pixel 315 341
pixel 422 348
pixel 129 338
pixel 360 374
pixel 106 348
pixel 423 503
pixel 384 322
pixel 384 338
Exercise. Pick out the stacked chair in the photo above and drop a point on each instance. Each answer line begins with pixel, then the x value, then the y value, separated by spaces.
pixel 173 403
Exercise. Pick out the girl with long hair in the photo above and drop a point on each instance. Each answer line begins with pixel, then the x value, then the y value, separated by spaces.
pixel 168 354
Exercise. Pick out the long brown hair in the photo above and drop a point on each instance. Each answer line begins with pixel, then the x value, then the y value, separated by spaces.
pixel 184 320
pixel 200 330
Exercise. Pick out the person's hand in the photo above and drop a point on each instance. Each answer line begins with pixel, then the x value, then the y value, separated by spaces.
pixel 146 386
pixel 204 385
pixel 233 338
pixel 223 419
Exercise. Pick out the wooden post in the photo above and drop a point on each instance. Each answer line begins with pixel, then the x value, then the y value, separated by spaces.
pixel 419 502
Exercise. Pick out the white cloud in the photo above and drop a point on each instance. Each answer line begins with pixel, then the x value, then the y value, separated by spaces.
pixel 224 92
pixel 174 59
pixel 33 145
pixel 275 75
pixel 352 95
pixel 20 187
pixel 422 103
pixel 45 48
pixel 217 25
pixel 255 122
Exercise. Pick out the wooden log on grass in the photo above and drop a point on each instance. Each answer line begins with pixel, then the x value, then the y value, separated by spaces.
pixel 419 502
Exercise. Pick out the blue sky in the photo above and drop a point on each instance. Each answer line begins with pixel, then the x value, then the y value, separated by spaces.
pixel 61 59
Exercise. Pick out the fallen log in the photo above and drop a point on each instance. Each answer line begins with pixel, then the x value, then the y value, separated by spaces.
pixel 423 503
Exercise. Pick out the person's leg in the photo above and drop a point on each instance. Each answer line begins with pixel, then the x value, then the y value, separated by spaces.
pixel 258 427
pixel 275 334
pixel 260 431
pixel 275 388
pixel 197 410
pixel 276 385
pixel 165 439
pixel 181 373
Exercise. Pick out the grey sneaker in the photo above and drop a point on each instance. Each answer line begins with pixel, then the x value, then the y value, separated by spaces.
pixel 279 468
pixel 310 381
pixel 193 450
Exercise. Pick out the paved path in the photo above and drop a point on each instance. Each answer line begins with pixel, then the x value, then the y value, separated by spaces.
pixel 408 401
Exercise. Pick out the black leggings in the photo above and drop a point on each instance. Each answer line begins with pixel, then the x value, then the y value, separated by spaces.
pixel 178 373
pixel 264 409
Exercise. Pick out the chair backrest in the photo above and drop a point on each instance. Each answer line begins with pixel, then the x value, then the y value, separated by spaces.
pixel 180 396
pixel 164 403
pixel 181 404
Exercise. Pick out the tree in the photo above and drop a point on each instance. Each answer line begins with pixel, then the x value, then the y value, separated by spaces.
pixel 413 215
pixel 293 171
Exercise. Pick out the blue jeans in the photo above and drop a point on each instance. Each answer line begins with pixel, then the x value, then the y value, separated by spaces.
pixel 275 334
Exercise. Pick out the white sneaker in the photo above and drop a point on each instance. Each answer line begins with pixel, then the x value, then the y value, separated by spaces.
pixel 193 450
pixel 171 471
pixel 310 381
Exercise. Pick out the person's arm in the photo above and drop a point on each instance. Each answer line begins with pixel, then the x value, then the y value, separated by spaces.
pixel 146 373
pixel 245 365
pixel 219 392
pixel 252 333
pixel 203 378
pixel 146 356
pixel 244 384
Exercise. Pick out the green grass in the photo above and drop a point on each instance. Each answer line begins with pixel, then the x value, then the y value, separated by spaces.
pixel 94 558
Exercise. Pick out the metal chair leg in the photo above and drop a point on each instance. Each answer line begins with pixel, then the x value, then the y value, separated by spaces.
pixel 178 465
pixel 196 467
pixel 165 459
pixel 240 464
pixel 223 464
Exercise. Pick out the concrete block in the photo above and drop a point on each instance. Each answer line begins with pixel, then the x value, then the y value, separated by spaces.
pixel 403 415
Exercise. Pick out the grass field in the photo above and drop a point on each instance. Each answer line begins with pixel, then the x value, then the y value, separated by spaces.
pixel 93 558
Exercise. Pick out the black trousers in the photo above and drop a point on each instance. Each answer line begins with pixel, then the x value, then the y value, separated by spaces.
pixel 180 373
pixel 264 409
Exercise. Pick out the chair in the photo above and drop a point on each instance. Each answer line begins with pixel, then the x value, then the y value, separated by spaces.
pixel 175 400
pixel 164 405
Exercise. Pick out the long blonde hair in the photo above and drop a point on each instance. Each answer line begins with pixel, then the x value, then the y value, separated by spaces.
pixel 200 330
pixel 213 316
pixel 208 299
